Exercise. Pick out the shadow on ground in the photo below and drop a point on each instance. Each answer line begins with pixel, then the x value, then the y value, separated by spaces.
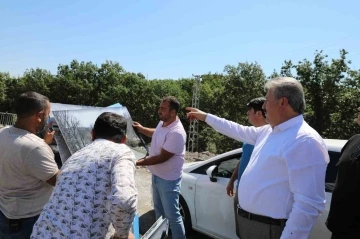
pixel 148 219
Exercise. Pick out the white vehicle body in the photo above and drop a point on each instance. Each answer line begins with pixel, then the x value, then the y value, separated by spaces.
pixel 211 210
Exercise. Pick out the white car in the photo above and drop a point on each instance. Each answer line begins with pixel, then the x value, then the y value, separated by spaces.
pixel 207 208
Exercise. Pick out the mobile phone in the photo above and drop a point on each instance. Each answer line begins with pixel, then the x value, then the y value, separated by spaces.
pixel 55 127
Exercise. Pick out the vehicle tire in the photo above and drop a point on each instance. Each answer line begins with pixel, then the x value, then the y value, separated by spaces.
pixel 185 213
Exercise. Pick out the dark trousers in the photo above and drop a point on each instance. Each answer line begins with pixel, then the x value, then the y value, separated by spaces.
pixel 236 202
pixel 251 229
pixel 351 235
pixel 25 228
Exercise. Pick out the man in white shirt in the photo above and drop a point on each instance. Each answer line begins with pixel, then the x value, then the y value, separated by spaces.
pixel 96 188
pixel 282 190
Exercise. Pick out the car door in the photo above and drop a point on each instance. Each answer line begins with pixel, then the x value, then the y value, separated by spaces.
pixel 214 208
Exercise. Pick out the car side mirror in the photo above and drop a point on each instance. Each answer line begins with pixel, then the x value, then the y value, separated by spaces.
pixel 212 172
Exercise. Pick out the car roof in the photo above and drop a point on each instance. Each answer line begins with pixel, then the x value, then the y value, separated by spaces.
pixel 332 145
pixel 335 144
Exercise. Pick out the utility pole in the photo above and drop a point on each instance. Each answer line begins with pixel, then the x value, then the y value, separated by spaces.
pixel 194 125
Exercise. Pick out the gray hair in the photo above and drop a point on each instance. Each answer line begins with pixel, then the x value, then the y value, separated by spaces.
pixel 289 88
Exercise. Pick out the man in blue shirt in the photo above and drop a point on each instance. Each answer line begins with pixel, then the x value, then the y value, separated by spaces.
pixel 256 117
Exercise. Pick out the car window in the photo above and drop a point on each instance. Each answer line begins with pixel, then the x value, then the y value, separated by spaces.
pixel 228 164
pixel 225 165
pixel 331 171
pixel 226 168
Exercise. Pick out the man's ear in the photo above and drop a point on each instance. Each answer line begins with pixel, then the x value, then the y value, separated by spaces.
pixel 284 101
pixel 92 135
pixel 39 116
pixel 123 141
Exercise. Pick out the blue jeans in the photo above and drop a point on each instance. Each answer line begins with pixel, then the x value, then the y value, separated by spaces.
pixel 166 204
pixel 27 225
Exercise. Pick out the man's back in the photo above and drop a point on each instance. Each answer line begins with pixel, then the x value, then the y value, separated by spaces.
pixel 96 187
pixel 26 162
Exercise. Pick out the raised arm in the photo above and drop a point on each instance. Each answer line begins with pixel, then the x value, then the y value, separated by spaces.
pixel 231 129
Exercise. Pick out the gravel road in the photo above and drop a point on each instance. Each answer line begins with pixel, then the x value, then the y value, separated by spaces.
pixel 143 184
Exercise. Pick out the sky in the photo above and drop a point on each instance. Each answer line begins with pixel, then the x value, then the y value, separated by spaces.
pixel 168 39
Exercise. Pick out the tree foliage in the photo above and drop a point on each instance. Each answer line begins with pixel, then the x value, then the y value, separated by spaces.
pixel 331 90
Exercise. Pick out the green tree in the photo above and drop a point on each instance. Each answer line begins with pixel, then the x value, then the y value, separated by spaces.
pixel 14 88
pixel 322 83
pixel 4 77
pixel 244 82
pixel 38 80
pixel 74 83
pixel 230 92
pixel 107 86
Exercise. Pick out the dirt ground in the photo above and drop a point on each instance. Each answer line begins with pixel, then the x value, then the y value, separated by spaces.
pixel 143 184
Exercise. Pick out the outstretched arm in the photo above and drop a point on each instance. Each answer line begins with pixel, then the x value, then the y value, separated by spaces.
pixel 247 134
pixel 194 114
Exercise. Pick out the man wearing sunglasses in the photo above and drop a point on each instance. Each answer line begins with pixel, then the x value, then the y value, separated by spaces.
pixel 27 167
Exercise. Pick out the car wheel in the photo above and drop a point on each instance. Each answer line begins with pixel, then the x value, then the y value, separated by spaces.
pixel 185 214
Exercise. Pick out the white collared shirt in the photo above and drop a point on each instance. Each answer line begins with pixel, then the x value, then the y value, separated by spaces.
pixel 285 177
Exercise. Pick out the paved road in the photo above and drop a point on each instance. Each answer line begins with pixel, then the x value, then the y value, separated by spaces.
pixel 198 235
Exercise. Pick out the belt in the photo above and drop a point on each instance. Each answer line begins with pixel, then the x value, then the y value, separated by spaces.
pixel 8 220
pixel 259 218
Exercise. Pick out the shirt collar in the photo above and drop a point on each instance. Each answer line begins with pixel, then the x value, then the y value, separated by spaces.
pixel 100 139
pixel 172 124
pixel 15 130
pixel 289 123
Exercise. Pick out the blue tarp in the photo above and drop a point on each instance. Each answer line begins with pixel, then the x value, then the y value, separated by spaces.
pixel 115 105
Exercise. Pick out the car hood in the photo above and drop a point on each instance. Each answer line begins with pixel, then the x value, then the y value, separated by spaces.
pixel 188 166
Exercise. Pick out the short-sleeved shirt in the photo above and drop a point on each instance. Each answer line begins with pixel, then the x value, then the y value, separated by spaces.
pixel 26 163
pixel 95 188
pixel 172 138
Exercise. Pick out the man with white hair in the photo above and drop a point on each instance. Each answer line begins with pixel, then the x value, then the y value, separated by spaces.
pixel 283 186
